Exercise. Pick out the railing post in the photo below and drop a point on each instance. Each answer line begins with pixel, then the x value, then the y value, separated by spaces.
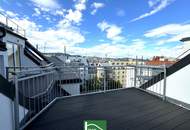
pixel 16 103
pixel 104 79
pixel 135 74
pixel 7 21
pixel 164 85
pixel 17 29
pixel 7 73
pixel 84 80
pixel 24 33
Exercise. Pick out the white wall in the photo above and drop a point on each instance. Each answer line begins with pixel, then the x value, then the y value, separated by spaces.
pixel 6 113
pixel 177 85
pixel 14 39
pixel 25 61
pixel 6 105
pixel 158 87
pixel 73 89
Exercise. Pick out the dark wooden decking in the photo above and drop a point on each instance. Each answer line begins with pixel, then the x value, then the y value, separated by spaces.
pixel 129 109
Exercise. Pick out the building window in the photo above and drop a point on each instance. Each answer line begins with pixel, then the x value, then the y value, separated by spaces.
pixel 17 55
pixel 10 55
pixel 13 51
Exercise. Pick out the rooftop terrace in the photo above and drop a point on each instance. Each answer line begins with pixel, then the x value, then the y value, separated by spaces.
pixel 127 109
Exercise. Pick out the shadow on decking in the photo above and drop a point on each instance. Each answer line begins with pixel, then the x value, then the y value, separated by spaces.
pixel 129 109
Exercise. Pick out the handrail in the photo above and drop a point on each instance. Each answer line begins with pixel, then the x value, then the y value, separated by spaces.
pixel 8 21
pixel 183 53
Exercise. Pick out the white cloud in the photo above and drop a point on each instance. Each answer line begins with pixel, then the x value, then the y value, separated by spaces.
pixel 113 32
pixel 56 37
pixel 75 16
pixel 173 51
pixel 46 4
pixel 60 12
pixel 37 12
pixel 48 19
pixel 169 33
pixel 96 6
pixel 2 10
pixel 160 5
pixel 169 29
pixel 80 5
pixel 64 33
pixel 120 13
pixel 11 14
pixel 48 7
pixel 137 47
pixel 111 50
pixel 153 3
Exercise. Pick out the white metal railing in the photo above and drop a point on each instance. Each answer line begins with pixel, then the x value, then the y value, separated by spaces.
pixel 156 84
pixel 32 94
pixel 35 89
pixel 25 70
pixel 183 54
pixel 10 24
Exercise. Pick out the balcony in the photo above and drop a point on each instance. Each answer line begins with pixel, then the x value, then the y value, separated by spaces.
pixel 63 97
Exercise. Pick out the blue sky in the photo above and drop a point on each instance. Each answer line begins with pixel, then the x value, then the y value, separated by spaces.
pixel 116 28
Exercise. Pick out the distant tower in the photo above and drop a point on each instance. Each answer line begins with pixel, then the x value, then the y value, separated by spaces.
pixel 65 50
pixel 106 55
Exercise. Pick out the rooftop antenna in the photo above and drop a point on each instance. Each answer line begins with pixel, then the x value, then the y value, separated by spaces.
pixel 45 46
pixel 106 55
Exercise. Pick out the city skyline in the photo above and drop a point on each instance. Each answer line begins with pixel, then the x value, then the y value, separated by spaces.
pixel 99 28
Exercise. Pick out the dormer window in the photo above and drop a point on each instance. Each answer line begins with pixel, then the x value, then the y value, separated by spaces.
pixel 13 53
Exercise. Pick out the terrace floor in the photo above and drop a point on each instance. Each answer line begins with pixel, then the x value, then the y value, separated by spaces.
pixel 129 109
